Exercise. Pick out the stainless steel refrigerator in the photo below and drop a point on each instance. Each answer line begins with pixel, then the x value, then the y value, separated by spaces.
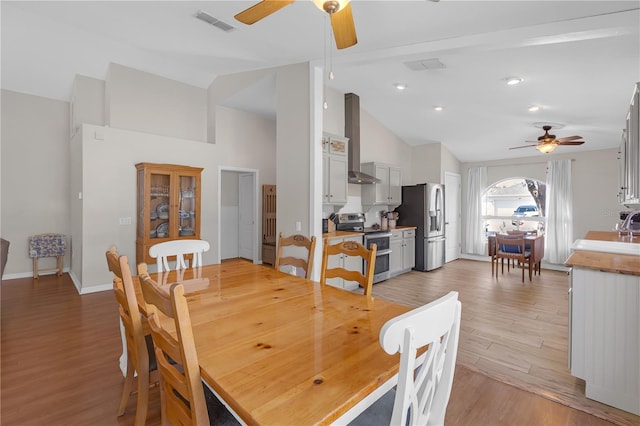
pixel 423 206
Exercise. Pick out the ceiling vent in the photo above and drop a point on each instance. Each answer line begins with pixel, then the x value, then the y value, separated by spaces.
pixel 425 64
pixel 204 16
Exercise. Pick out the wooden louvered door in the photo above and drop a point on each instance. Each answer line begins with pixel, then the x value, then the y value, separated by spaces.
pixel 269 224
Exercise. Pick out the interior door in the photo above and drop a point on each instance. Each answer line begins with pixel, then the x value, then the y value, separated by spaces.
pixel 452 216
pixel 246 221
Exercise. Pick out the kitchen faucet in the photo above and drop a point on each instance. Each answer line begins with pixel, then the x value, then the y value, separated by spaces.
pixel 628 224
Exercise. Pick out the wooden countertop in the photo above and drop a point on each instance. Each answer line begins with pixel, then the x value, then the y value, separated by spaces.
pixel 606 262
pixel 341 234
pixel 403 228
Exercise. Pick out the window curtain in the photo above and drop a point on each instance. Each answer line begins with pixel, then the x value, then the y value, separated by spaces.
pixel 559 235
pixel 476 184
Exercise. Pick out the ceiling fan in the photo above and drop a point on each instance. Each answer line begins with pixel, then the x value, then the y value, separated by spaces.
pixel 344 29
pixel 547 143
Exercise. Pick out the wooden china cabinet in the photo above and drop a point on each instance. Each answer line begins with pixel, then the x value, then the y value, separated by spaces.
pixel 168 205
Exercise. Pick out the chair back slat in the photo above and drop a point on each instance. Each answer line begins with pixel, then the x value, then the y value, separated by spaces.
pixel 178 248
pixel 349 248
pixel 182 389
pixel 299 241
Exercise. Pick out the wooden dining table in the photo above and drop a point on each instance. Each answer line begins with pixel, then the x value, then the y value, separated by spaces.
pixel 283 350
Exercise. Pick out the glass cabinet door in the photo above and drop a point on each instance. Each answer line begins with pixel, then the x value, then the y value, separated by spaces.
pixel 159 205
pixel 187 206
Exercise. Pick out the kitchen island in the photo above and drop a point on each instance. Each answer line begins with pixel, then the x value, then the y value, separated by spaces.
pixel 604 318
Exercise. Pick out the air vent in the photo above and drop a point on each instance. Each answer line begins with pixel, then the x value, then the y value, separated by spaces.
pixel 204 16
pixel 425 64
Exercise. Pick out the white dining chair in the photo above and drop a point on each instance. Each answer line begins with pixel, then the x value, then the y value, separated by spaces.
pixel 424 383
pixel 178 248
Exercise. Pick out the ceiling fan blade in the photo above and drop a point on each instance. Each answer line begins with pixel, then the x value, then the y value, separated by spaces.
pixel 523 146
pixel 260 10
pixel 569 138
pixel 344 29
pixel 571 143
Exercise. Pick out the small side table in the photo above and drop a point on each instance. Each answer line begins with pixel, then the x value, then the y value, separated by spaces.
pixel 47 245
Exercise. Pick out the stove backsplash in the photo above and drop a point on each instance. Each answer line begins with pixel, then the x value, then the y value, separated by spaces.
pixel 354 205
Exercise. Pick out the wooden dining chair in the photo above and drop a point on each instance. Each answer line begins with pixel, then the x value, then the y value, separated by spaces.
pixel 424 381
pixel 512 247
pixel 349 248
pixel 141 358
pixel 178 248
pixel 296 242
pixel 186 400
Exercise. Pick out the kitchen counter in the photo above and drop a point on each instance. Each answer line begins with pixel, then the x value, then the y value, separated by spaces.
pixel 604 312
pixel 607 262
pixel 341 234
pixel 403 228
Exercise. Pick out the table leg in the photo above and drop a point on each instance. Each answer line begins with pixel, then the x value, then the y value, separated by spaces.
pixel 35 268
pixel 60 266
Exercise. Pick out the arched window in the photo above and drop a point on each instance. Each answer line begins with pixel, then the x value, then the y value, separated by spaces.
pixel 514 204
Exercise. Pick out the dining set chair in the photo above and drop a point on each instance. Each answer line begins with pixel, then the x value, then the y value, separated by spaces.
pixel 184 398
pixel 304 260
pixel 512 247
pixel 426 338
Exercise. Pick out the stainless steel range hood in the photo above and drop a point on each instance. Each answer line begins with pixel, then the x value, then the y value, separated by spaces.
pixel 352 131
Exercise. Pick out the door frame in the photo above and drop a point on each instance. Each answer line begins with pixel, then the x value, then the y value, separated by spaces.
pixel 256 205
pixel 457 177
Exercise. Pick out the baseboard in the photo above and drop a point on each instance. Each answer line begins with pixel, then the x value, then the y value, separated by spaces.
pixel 29 274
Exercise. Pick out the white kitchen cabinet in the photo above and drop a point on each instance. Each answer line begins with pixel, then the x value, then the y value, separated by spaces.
pixel 629 155
pixel 395 257
pixel 351 263
pixel 604 342
pixel 389 191
pixel 403 251
pixel 334 169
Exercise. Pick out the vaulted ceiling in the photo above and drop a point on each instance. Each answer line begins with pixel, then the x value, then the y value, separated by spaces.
pixel 579 60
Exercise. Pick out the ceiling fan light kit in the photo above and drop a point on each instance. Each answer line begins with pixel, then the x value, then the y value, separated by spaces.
pixel 547 148
pixel 547 143
pixel 331 6
pixel 344 29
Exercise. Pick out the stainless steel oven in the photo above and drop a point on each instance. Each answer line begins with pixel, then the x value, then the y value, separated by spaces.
pixel 382 240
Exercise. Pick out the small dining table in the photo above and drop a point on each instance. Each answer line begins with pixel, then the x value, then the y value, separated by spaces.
pixel 532 242
pixel 280 349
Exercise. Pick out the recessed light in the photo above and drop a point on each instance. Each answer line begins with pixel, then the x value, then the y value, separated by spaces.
pixel 438 108
pixel 533 108
pixel 400 86
pixel 512 81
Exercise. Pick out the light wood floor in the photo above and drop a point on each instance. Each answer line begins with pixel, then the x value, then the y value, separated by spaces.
pixel 60 352
pixel 511 331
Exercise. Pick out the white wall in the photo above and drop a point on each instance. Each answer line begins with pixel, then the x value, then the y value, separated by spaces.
pixel 430 162
pixel 35 175
pixel 109 193
pixel 293 150
pixel 594 182
pixel 149 103
pixel 379 144
pixel 87 102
